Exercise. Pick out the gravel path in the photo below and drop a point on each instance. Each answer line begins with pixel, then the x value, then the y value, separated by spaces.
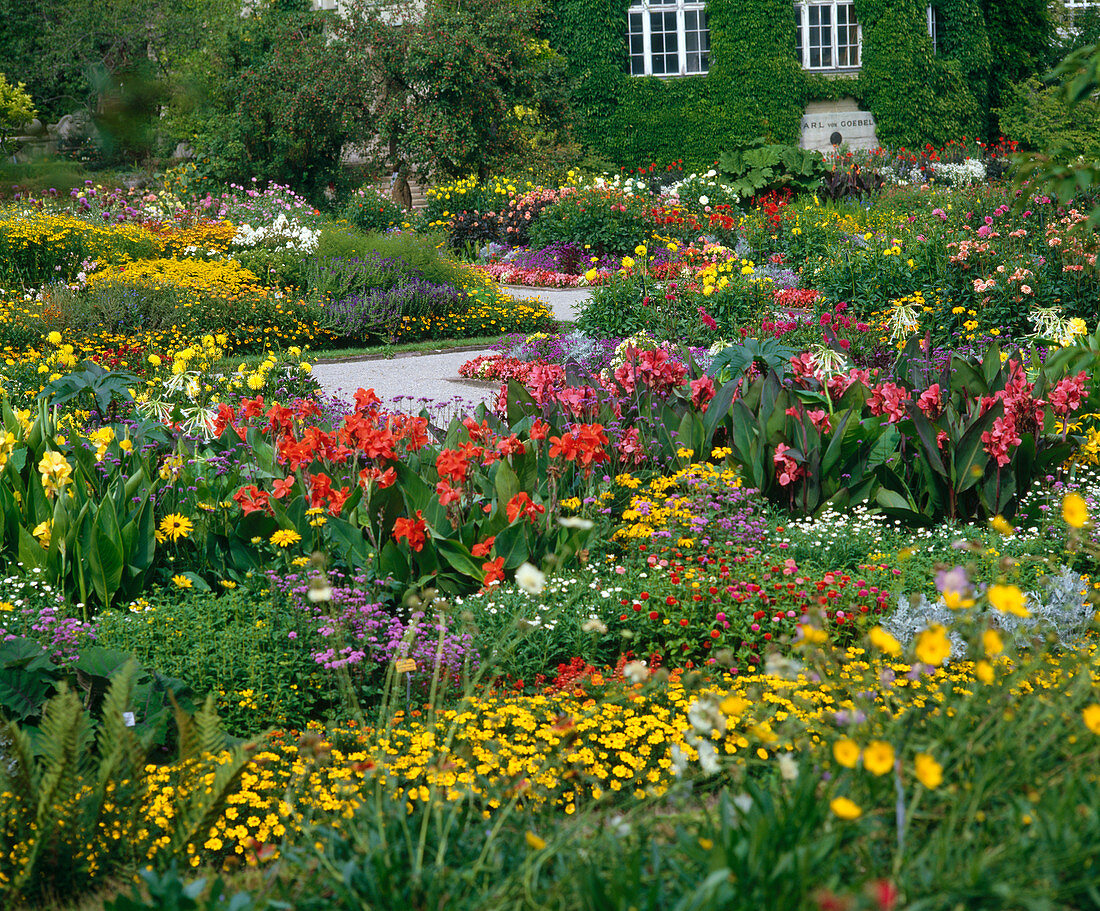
pixel 566 303
pixel 410 382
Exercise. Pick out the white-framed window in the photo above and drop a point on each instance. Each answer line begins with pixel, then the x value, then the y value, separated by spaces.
pixel 668 38
pixel 935 27
pixel 828 35
pixel 1073 7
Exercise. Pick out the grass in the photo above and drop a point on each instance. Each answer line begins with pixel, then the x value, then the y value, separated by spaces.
pixel 335 355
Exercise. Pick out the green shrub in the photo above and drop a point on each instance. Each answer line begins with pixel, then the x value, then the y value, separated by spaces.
pixel 615 309
pixel 756 168
pixel 249 652
pixel 421 252
pixel 1039 117
pixel 369 210
pixel 608 220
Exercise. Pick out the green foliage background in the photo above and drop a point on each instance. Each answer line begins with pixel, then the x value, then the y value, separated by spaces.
pixel 757 87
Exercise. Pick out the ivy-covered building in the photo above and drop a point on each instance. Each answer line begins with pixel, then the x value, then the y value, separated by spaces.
pixel 660 80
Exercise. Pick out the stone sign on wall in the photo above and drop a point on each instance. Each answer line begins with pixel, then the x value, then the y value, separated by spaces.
pixel 832 123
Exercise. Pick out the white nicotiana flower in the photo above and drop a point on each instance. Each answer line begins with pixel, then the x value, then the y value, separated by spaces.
pixel 705 716
pixel 776 665
pixel 319 590
pixel 788 767
pixel 594 625
pixel 708 757
pixel 575 522
pixel 531 579
pixel 679 760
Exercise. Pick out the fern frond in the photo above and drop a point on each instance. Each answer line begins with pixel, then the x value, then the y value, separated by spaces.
pixel 211 735
pixel 121 754
pixel 66 736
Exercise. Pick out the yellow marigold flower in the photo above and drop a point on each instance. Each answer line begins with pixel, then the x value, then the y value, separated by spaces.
pixel 533 841
pixel 884 642
pixel 933 646
pixel 1074 510
pixel 182 582
pixel 956 601
pixel 54 338
pixel 846 752
pixel 992 642
pixel 640 250
pixel 845 808
pixel 1091 714
pixel 1000 524
pixel 174 526
pixel 929 772
pixel 878 757
pixel 284 537
pixel 1008 599
pixel 984 672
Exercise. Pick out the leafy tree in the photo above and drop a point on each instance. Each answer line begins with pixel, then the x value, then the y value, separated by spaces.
pixel 272 98
pixel 16 107
pixel 1062 171
pixel 458 85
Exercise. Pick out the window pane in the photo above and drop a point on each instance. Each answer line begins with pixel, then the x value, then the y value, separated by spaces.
pixel 696 41
pixel 636 42
pixel 663 41
pixel 847 35
pixel 820 37
pixel 798 33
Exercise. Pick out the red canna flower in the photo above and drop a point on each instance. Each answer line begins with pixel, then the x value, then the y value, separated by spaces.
pixel 494 571
pixel 412 529
pixel 522 505
pixel 447 494
pixel 483 548
pixel 251 499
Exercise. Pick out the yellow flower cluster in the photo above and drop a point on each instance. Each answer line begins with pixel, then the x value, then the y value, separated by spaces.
pixel 666 502
pixel 50 237
pixel 224 278
pixel 209 237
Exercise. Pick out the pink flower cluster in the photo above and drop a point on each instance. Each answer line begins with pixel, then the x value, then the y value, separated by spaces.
pixel 495 367
pixel 509 274
pixel 1021 413
pixel 1068 394
pixel 889 399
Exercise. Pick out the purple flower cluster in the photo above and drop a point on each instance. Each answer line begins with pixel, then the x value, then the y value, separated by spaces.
pixel 369 313
pixel 569 257
pixel 47 625
pixel 357 631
